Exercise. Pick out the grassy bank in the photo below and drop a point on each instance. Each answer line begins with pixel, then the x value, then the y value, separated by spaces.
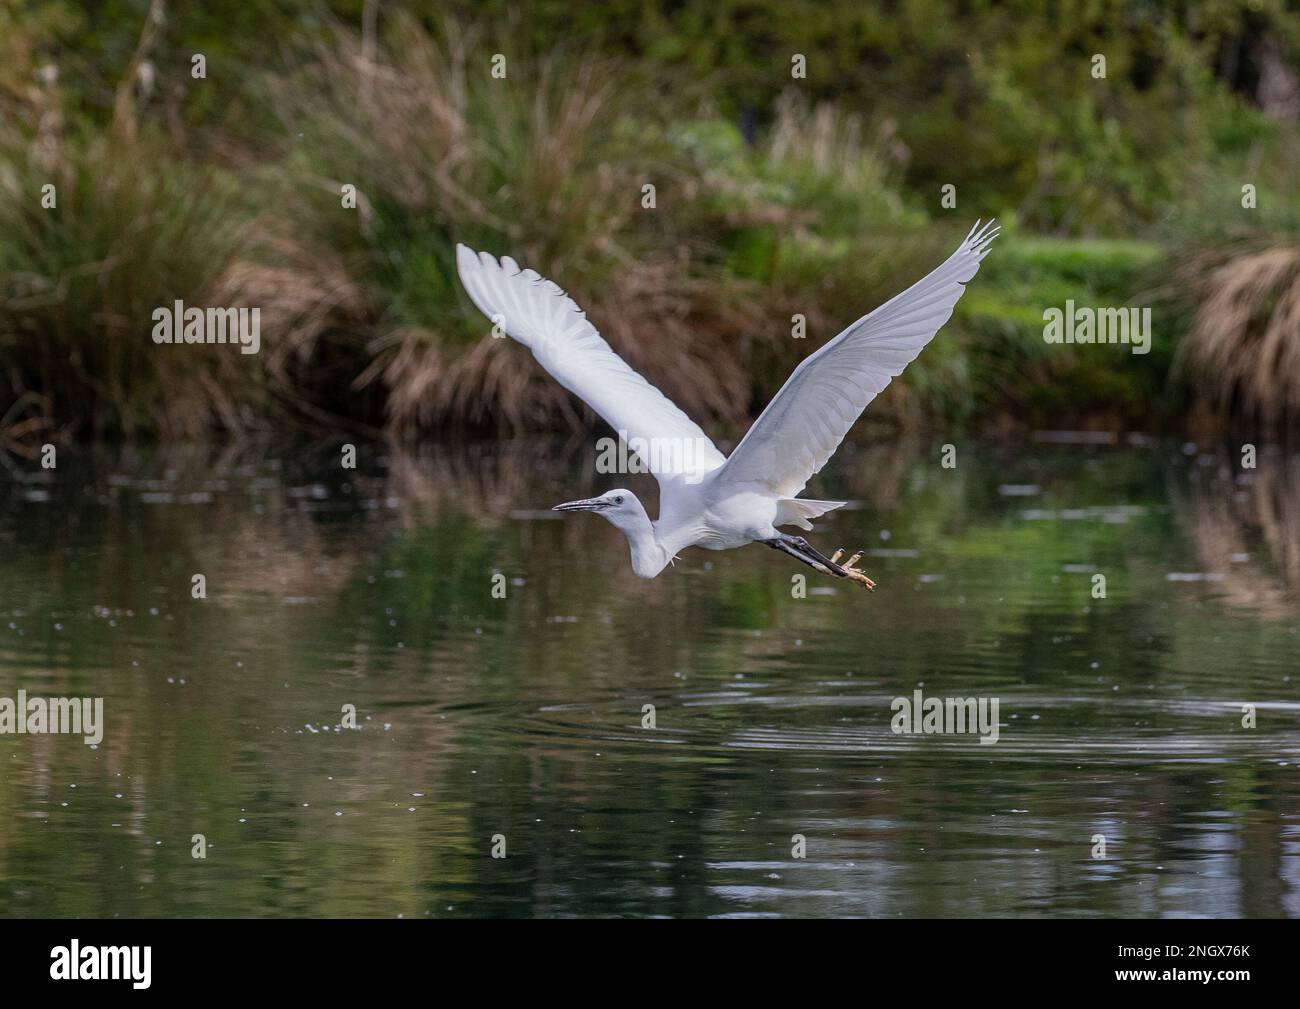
pixel 814 209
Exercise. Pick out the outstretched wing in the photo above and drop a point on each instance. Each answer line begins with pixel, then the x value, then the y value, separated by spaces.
pixel 543 318
pixel 827 392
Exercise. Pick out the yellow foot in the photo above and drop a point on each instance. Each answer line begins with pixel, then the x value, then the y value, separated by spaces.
pixel 855 574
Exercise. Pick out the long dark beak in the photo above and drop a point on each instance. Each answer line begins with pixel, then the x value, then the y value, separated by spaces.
pixel 591 504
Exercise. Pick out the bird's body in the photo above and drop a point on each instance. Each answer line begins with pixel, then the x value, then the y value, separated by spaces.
pixel 691 515
pixel 713 516
pixel 707 499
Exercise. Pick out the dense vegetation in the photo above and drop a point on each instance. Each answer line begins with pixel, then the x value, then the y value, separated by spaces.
pixel 775 196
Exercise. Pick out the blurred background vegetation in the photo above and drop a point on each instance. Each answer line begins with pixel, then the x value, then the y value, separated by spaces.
pixel 775 195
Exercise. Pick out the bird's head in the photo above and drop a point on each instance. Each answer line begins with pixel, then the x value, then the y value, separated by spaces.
pixel 629 517
pixel 619 506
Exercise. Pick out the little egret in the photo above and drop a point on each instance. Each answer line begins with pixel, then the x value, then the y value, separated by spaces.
pixel 707 499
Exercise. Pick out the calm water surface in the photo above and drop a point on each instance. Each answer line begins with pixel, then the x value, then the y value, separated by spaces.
pixel 1120 716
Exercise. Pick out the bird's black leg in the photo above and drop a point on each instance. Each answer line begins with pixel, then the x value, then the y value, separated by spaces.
pixel 798 547
pixel 801 544
pixel 780 544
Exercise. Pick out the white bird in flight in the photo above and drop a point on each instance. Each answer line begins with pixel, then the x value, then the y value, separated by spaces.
pixel 707 499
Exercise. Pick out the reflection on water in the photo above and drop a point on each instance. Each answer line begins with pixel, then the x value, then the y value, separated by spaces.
pixel 478 716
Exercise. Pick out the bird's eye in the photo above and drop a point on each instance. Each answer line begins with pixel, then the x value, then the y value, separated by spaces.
pixel 619 499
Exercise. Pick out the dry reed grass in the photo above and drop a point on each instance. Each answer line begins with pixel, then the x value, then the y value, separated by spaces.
pixel 1244 344
pixel 547 172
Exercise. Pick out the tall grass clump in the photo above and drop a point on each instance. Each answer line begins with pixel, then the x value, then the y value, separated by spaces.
pixel 103 225
pixel 134 228
pixel 547 165
pixel 1242 352
pixel 1236 276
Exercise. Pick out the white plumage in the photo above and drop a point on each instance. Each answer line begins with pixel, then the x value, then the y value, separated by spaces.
pixel 707 499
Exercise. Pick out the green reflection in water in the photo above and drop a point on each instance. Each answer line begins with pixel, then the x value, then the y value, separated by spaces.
pixel 1120 716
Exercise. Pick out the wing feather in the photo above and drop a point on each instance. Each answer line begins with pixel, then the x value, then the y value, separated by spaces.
pixel 806 421
pixel 537 313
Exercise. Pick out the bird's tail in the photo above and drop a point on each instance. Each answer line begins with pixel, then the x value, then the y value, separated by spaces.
pixel 798 511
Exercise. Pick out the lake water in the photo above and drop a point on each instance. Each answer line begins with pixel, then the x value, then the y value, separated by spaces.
pixel 1120 718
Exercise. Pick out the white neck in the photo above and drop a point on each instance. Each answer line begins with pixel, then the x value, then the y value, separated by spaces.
pixel 648 556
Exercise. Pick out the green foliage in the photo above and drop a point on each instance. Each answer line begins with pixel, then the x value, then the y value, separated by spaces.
pixel 133 228
pixel 995 98
pixel 1013 369
pixel 775 196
